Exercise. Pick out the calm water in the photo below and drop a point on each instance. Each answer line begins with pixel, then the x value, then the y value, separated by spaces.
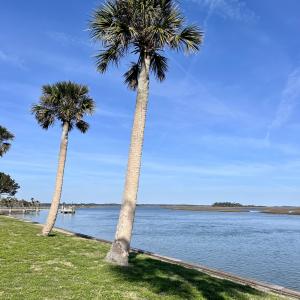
pixel 254 245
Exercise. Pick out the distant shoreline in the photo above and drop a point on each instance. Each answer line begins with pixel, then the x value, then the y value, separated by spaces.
pixel 280 210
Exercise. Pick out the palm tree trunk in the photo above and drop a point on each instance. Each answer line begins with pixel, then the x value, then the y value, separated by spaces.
pixel 119 251
pixel 59 181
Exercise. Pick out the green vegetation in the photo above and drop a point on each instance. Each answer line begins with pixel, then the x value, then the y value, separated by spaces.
pixel 282 210
pixel 7 185
pixel 145 29
pixel 5 138
pixel 227 204
pixel 68 267
pixel 285 210
pixel 14 202
pixel 68 103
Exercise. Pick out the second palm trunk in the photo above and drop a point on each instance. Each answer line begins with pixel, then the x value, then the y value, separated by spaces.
pixel 119 251
pixel 59 181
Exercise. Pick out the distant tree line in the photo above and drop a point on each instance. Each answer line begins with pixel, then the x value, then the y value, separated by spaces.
pixel 227 204
pixel 14 202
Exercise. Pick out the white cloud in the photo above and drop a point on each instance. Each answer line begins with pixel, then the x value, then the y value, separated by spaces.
pixel 289 99
pixel 66 39
pixel 191 96
pixel 235 169
pixel 112 114
pixel 247 142
pixel 11 59
pixel 99 158
pixel 19 89
pixel 227 9
pixel 177 169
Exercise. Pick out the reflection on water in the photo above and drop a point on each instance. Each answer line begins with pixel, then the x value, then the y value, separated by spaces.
pixel 254 245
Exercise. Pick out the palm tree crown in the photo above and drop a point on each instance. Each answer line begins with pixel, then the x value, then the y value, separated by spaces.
pixel 5 136
pixel 66 102
pixel 145 28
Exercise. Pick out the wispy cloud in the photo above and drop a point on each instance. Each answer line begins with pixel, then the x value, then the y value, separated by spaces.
pixel 99 158
pixel 11 59
pixel 176 169
pixel 247 142
pixel 112 113
pixel 70 64
pixel 67 40
pixel 227 9
pixel 29 166
pixel 200 99
pixel 289 99
pixel 19 88
pixel 228 170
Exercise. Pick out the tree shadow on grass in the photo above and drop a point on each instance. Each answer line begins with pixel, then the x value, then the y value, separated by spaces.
pixel 166 279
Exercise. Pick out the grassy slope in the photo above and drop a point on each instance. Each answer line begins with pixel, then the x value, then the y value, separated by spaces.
pixel 65 267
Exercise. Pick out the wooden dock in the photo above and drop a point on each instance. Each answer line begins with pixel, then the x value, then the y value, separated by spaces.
pixel 67 210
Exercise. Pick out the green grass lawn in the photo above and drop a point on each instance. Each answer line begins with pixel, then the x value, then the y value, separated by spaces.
pixel 68 267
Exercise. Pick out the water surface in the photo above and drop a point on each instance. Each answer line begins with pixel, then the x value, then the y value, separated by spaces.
pixel 253 245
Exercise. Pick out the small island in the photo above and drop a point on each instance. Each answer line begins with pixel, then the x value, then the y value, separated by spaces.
pixel 227 204
pixel 237 207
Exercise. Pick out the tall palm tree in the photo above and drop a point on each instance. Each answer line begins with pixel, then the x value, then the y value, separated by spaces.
pixel 144 28
pixel 68 103
pixel 5 138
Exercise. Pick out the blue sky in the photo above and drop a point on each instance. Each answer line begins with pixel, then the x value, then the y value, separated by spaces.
pixel 224 126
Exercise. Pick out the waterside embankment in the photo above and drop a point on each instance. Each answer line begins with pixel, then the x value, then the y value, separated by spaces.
pixel 71 265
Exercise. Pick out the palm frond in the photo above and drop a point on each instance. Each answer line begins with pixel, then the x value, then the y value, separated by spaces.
pixel 159 66
pixel 87 105
pixel 102 18
pixel 82 126
pixel 131 76
pixel 110 55
pixel 110 25
pixel 44 116
pixel 5 134
pixel 188 39
pixel 4 147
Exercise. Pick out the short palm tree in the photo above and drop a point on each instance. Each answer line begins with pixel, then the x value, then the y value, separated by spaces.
pixel 68 103
pixel 145 28
pixel 5 138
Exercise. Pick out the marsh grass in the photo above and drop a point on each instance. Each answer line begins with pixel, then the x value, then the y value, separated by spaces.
pixel 69 267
